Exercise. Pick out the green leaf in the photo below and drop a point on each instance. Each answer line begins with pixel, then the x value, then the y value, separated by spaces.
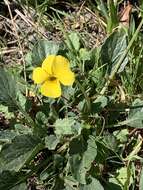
pixel 99 104
pixel 112 186
pixel 110 141
pixel 112 50
pixel 5 111
pixel 13 156
pixel 22 130
pixel 28 59
pixel 66 126
pixel 42 49
pixel 122 179
pixel 93 184
pixel 73 41
pixel 121 135
pixel 22 100
pixel 7 89
pixel 84 54
pixel 9 181
pixel 7 135
pixel 112 21
pixel 135 118
pixel 101 6
pixel 123 175
pixel 141 180
pixel 82 154
pixel 68 92
pixel 59 184
pixel 41 118
pixel 21 186
pixel 51 142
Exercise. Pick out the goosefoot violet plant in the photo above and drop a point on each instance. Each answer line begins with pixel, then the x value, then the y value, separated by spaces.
pixel 71 138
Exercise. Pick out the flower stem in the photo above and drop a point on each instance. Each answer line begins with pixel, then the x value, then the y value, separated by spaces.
pixel 85 95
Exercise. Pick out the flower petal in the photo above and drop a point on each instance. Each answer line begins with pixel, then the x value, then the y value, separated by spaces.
pixel 39 75
pixel 51 88
pixel 66 77
pixel 48 62
pixel 61 69
pixel 60 64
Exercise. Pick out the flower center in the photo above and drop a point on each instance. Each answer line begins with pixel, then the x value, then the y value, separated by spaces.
pixel 51 78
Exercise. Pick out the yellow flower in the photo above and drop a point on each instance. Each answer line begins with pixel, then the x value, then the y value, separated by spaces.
pixel 54 70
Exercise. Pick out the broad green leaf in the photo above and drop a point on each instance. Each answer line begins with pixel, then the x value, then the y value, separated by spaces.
pixel 22 100
pixel 112 186
pixel 28 59
pixel 21 186
pixel 42 49
pixel 122 179
pixel 135 118
pixel 41 118
pixel 102 100
pixel 141 180
pixel 84 54
pixel 110 141
pixel 99 104
pixel 5 111
pixel 9 181
pixel 51 142
pixel 68 92
pixel 93 184
pixel 59 184
pixel 73 41
pixel 121 135
pixel 66 126
pixel 82 154
pixel 7 89
pixel 112 50
pixel 7 135
pixel 13 156
pixel 22 130
pixel 101 6
pixel 123 175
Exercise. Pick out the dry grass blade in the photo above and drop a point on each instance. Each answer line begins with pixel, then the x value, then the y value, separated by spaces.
pixel 6 51
pixel 30 23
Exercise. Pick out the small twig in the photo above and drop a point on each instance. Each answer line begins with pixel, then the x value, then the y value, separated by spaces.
pixel 18 39
pixel 81 7
pixel 132 132
pixel 7 19
pixel 11 50
pixel 12 42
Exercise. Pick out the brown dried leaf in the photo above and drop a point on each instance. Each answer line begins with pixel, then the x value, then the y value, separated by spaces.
pixel 125 15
